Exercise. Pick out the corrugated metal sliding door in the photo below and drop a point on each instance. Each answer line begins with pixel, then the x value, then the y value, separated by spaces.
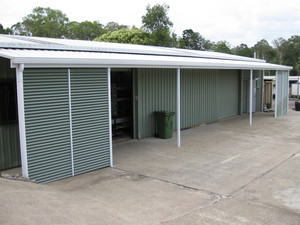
pixel 67 126
pixel 228 101
pixel 47 124
pixel 282 93
pixel 90 123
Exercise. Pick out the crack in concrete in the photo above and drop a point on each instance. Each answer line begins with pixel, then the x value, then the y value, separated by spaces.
pixel 218 197
pixel 221 198
pixel 263 174
pixel 171 182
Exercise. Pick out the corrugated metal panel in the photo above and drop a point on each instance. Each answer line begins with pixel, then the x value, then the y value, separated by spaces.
pixel 206 95
pixel 9 146
pixel 228 91
pixel 89 97
pixel 282 93
pixel 12 41
pixel 9 133
pixel 47 124
pixel 156 91
pixel 198 97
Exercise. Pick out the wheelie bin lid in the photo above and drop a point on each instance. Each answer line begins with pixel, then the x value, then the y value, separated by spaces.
pixel 165 113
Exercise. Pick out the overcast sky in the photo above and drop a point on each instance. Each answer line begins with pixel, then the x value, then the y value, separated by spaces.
pixel 236 21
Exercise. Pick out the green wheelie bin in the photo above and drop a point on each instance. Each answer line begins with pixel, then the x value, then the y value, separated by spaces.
pixel 164 124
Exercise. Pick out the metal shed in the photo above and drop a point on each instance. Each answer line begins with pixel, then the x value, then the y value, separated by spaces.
pixel 64 96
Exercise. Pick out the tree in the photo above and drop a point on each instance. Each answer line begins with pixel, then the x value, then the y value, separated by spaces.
pixel 264 51
pixel 281 47
pixel 131 36
pixel 288 52
pixel 157 23
pixel 43 22
pixel 113 26
pixel 243 50
pixel 4 31
pixel 86 30
pixel 222 46
pixel 193 40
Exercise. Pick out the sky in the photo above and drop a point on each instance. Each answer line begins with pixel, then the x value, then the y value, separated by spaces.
pixel 235 21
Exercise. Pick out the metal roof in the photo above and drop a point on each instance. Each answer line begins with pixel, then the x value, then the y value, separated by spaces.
pixel 42 52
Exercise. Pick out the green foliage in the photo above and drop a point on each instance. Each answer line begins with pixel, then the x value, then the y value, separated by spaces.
pixel 243 50
pixel 222 46
pixel 193 40
pixel 113 26
pixel 4 31
pixel 291 49
pixel 157 23
pixel 156 18
pixel 85 30
pixel 43 22
pixel 130 36
pixel 161 37
pixel 264 51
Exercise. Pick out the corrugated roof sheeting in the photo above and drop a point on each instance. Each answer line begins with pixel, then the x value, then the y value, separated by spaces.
pixel 47 58
pixel 47 52
pixel 25 42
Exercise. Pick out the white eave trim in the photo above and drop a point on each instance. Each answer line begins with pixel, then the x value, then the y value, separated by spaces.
pixel 214 64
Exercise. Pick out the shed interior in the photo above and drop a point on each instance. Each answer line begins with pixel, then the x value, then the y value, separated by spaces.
pixel 122 103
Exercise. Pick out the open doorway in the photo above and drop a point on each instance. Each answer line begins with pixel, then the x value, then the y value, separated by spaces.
pixel 122 103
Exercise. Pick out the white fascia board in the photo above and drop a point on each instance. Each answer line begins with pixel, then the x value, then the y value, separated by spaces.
pixel 40 63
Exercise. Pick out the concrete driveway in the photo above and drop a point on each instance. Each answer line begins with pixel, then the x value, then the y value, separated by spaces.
pixel 225 173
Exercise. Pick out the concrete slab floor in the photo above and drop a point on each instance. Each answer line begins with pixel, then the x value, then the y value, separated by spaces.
pixel 225 173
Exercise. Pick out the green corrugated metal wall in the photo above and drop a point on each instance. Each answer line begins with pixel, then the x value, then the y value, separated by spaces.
pixel 198 97
pixel 90 119
pixel 156 90
pixel 228 91
pixel 204 96
pixel 47 122
pixel 46 100
pixel 9 146
pixel 9 133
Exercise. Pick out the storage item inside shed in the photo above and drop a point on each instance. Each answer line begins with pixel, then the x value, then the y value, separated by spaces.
pixel 121 103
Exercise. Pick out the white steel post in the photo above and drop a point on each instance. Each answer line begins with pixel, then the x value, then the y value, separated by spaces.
pixel 287 88
pixel 109 115
pixel 178 109
pixel 21 115
pixel 251 97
